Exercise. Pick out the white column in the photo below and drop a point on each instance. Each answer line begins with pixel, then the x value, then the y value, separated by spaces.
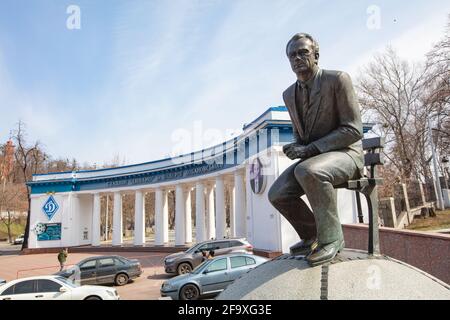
pixel 200 228
pixel 106 218
pixel 188 215
pixel 231 190
pixel 67 222
pixel 117 238
pixel 96 220
pixel 75 220
pixel 211 226
pixel 220 208
pixel 239 209
pixel 139 218
pixel 180 215
pixel 161 217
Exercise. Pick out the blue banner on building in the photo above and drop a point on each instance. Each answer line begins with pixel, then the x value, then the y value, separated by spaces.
pixel 49 231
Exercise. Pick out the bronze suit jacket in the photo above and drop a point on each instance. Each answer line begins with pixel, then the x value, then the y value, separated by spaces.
pixel 333 119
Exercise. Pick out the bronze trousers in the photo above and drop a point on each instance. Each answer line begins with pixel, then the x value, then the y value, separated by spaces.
pixel 315 177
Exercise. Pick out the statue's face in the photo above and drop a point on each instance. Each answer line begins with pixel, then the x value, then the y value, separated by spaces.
pixel 301 55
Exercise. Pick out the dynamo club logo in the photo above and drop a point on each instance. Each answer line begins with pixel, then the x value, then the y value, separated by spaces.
pixel 50 207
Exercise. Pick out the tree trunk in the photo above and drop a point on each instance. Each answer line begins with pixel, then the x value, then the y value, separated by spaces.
pixel 8 227
pixel 27 227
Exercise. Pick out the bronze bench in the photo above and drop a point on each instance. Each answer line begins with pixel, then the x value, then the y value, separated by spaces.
pixel 367 185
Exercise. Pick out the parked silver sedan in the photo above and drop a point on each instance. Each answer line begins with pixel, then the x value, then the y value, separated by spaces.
pixel 211 277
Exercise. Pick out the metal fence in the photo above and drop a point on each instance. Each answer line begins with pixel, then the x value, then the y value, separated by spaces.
pixel 414 194
pixel 428 189
pixel 399 199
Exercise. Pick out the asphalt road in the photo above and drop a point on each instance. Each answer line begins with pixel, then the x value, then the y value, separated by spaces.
pixel 7 249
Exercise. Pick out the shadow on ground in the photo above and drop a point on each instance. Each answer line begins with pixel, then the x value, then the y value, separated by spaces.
pixel 160 277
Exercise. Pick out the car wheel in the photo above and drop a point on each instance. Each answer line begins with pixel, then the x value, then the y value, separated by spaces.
pixel 121 279
pixel 93 298
pixel 184 268
pixel 189 292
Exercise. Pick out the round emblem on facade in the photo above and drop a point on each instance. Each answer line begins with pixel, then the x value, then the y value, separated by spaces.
pixel 257 177
pixel 39 228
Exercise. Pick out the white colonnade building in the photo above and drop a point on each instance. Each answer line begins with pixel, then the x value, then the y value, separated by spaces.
pixel 66 207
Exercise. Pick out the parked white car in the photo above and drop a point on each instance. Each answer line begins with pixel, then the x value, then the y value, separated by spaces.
pixel 19 239
pixel 53 288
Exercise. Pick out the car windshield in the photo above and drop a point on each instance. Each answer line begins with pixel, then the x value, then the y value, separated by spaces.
pixel 201 267
pixel 123 259
pixel 72 268
pixel 67 282
pixel 79 264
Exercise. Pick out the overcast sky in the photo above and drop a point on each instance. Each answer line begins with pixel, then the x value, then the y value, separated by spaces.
pixel 138 73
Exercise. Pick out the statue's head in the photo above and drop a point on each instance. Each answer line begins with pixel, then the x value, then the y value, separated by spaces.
pixel 303 53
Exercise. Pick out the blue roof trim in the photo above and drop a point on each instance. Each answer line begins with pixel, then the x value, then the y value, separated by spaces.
pixel 366 128
pixel 160 175
pixel 128 180
pixel 279 108
pixel 139 164
pixel 182 170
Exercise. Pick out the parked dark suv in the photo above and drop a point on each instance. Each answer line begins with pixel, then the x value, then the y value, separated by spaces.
pixel 185 262
pixel 104 270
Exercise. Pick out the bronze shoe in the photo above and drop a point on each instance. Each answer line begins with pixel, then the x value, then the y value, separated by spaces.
pixel 304 247
pixel 325 253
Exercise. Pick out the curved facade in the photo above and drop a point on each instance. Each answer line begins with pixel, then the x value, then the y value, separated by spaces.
pixel 65 207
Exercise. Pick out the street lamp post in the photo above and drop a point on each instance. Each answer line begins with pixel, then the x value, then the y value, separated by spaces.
pixel 440 200
pixel 446 165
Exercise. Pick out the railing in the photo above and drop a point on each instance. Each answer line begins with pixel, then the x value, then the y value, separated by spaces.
pixel 398 211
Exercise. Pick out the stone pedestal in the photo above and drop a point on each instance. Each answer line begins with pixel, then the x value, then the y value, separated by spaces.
pixel 353 275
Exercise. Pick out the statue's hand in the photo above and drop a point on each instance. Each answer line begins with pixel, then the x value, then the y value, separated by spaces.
pixel 298 151
pixel 287 147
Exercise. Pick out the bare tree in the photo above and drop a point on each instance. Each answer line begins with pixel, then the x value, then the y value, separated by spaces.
pixel 438 90
pixel 171 208
pixel 390 92
pixel 12 204
pixel 7 195
pixel 28 159
pixel 116 161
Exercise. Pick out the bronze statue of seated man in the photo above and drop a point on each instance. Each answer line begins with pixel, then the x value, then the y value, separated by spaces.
pixel 327 147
